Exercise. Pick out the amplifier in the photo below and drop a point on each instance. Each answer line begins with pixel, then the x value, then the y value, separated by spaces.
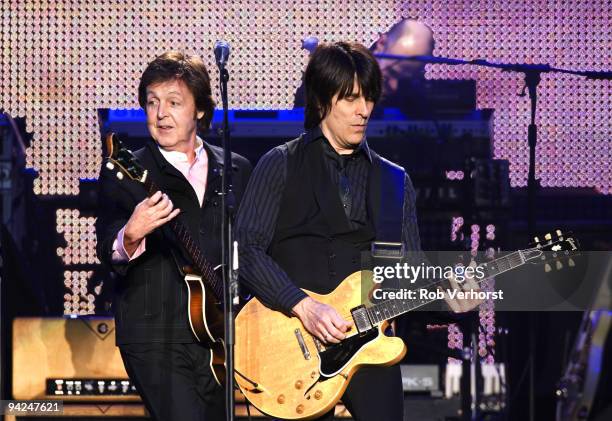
pixel 73 359
pixel 421 378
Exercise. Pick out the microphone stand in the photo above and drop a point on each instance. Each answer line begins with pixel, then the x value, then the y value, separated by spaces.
pixel 229 250
pixel 532 74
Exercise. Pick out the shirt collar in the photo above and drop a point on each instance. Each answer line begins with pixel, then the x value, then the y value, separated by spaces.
pixel 176 157
pixel 316 134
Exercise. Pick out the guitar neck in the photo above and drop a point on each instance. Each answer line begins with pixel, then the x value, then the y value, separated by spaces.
pixel 204 267
pixel 390 309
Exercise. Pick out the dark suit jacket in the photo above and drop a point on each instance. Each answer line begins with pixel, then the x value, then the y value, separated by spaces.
pixel 150 299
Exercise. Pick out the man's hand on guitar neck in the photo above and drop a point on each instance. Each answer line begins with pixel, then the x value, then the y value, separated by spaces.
pixel 321 320
pixel 151 213
pixel 461 305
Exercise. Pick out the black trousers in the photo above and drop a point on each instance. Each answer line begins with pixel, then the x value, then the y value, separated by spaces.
pixel 374 394
pixel 175 381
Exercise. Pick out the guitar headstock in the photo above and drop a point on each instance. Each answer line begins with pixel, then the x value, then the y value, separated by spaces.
pixel 552 248
pixel 122 159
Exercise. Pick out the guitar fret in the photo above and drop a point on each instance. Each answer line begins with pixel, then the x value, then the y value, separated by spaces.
pixel 382 309
pixel 394 309
pixel 373 315
pixel 203 266
pixel 518 259
pixel 387 312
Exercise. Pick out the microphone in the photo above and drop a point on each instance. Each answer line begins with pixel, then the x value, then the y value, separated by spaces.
pixel 310 43
pixel 222 52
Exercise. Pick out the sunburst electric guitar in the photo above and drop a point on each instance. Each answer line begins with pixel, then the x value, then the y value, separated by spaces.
pixel 204 287
pixel 287 373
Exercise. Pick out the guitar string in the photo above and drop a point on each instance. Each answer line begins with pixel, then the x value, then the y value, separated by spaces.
pixel 516 257
pixel 181 231
pixel 509 260
pixel 500 265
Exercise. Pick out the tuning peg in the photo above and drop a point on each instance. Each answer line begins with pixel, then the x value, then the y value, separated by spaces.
pixel 548 237
pixel 110 166
pixel 559 265
pixel 547 268
pixel 559 233
pixel 571 262
pixel 120 175
pixel 536 239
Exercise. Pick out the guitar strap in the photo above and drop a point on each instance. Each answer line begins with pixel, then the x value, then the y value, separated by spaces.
pixel 388 198
pixel 388 214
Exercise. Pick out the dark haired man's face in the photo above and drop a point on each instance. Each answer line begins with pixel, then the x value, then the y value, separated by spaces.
pixel 172 116
pixel 345 124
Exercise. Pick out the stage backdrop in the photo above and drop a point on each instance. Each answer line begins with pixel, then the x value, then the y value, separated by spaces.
pixel 62 60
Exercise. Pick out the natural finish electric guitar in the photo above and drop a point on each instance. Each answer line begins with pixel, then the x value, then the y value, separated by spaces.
pixel 204 287
pixel 286 372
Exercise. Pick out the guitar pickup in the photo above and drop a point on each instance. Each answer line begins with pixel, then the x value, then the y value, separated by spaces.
pixel 361 318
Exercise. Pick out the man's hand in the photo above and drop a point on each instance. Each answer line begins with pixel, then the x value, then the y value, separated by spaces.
pixel 461 305
pixel 321 320
pixel 148 215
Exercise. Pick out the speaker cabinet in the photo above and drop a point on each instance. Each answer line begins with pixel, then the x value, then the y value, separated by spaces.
pixel 58 348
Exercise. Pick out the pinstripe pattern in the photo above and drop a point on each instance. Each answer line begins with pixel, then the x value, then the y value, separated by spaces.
pixel 256 220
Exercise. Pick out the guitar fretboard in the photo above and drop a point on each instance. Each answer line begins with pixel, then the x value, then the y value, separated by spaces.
pixel 390 309
pixel 205 268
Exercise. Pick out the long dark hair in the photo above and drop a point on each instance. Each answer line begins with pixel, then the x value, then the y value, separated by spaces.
pixel 189 69
pixel 331 70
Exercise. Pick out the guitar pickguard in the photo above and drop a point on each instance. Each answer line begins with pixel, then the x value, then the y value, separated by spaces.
pixel 334 358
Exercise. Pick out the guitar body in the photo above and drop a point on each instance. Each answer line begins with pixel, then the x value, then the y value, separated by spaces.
pixel 288 376
pixel 207 322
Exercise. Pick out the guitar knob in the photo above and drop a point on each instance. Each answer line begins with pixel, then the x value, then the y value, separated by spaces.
pixel 299 409
pixel 120 175
pixel 298 384
pixel 547 268
pixel 571 263
pixel 559 265
pixel 110 166
pixel 313 374
pixel 318 394
pixel 280 399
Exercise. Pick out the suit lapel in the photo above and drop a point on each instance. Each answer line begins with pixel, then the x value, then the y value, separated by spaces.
pixel 373 193
pixel 168 177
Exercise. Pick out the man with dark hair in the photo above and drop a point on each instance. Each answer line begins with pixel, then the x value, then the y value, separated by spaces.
pixel 314 204
pixel 171 370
